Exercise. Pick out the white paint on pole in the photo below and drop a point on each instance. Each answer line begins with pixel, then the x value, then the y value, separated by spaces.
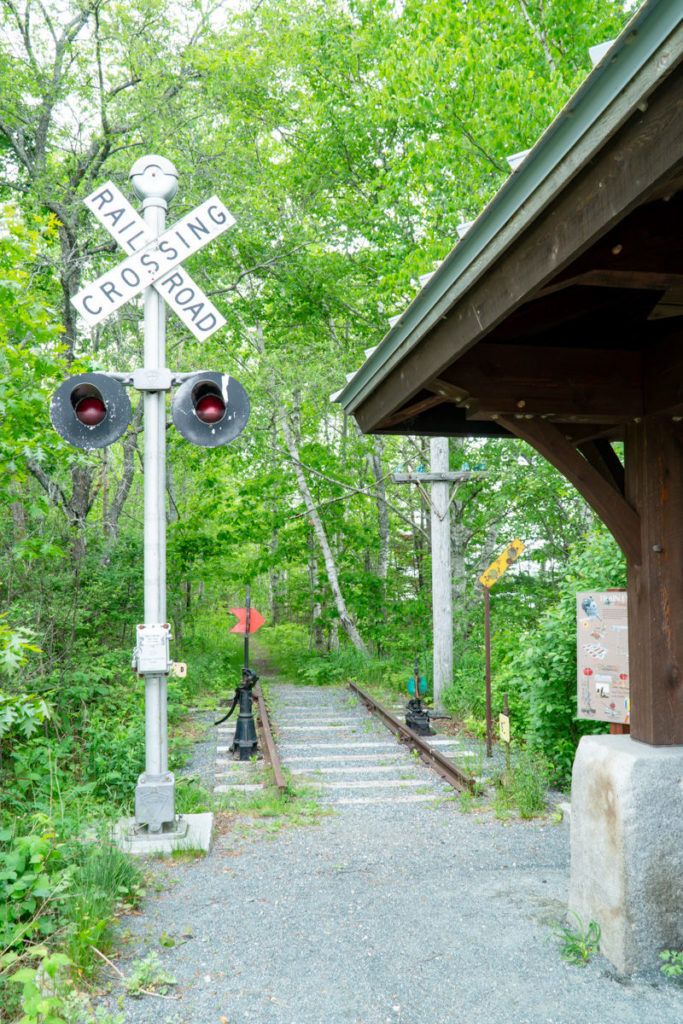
pixel 154 494
pixel 442 601
pixel 154 259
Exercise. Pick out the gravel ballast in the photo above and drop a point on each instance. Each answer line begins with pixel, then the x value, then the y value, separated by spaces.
pixel 388 910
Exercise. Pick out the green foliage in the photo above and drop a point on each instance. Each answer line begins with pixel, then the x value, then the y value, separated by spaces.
pixel 34 880
pixel 21 714
pixel 523 787
pixel 149 976
pixel 540 670
pixel 672 963
pixel 52 890
pixel 578 942
pixel 43 989
pixel 14 647
pixel 288 647
pixel 102 878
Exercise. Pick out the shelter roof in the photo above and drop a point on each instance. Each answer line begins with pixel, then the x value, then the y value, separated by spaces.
pixel 564 300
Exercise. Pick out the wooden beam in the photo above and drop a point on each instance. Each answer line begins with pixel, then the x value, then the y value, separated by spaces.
pixel 446 420
pixel 636 161
pixel 603 457
pixel 445 388
pixel 507 379
pixel 654 485
pixel 558 408
pixel 648 280
pixel 663 376
pixel 434 478
pixel 410 411
pixel 618 515
pixel 578 433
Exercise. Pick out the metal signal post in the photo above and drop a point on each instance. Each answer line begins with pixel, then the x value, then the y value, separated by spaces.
pixel 155 792
pixel 92 410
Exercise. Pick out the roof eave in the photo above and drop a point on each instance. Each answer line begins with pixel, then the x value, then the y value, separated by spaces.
pixel 607 97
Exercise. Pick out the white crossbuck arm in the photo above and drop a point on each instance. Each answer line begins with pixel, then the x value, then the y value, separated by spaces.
pixel 153 261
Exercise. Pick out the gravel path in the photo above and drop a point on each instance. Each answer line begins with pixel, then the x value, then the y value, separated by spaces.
pixel 392 909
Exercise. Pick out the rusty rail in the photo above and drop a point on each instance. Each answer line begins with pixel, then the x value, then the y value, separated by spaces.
pixel 270 751
pixel 448 771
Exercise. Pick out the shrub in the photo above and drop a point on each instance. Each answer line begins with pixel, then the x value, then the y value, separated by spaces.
pixel 542 668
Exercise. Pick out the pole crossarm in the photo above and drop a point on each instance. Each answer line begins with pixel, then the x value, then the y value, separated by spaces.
pixel 446 477
pixel 434 478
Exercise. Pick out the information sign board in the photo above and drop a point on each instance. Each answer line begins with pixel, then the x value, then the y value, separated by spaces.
pixel 602 656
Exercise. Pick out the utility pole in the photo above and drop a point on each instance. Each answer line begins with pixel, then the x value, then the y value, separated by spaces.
pixel 442 594
pixel 441 481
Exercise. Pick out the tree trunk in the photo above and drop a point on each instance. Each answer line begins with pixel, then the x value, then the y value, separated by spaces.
pixel 317 638
pixel 276 583
pixel 347 622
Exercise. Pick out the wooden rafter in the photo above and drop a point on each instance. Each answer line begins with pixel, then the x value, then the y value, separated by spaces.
pixel 646 280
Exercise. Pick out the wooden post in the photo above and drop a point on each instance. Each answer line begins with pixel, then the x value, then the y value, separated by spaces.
pixel 487 649
pixel 654 486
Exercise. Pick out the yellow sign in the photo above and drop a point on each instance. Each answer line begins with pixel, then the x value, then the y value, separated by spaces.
pixel 504 726
pixel 501 564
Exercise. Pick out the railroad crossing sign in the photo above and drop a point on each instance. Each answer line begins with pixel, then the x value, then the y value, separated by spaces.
pixel 92 410
pixel 153 260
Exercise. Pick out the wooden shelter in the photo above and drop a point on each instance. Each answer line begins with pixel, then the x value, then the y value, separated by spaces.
pixel 558 319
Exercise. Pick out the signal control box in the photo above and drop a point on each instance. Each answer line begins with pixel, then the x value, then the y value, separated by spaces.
pixel 152 651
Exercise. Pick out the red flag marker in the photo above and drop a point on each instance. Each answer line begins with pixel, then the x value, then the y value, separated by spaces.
pixel 256 620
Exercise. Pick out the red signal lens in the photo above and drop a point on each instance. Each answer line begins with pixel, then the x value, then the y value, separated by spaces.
pixel 90 411
pixel 210 409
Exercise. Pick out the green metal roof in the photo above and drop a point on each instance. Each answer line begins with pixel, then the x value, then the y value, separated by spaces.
pixel 648 46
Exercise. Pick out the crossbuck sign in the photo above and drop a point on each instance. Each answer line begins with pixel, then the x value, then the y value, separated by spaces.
pixel 153 261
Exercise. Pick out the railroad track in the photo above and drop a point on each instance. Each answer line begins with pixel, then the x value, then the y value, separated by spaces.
pixel 443 766
pixel 235 777
pixel 327 739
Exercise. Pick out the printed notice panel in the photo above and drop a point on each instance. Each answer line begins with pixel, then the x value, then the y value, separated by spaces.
pixel 602 656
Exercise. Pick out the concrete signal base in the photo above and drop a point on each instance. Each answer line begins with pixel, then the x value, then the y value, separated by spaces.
pixel 627 847
pixel 192 832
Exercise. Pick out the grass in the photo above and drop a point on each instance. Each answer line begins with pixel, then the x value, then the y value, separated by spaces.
pixel 522 788
pixel 578 942
pixel 468 802
pixel 104 878
pixel 296 806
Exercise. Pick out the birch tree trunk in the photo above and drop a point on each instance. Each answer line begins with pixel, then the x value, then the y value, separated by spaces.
pixel 348 625
pixel 316 606
pixel 290 435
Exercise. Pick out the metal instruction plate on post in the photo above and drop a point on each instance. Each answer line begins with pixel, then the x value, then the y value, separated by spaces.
pixel 152 655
